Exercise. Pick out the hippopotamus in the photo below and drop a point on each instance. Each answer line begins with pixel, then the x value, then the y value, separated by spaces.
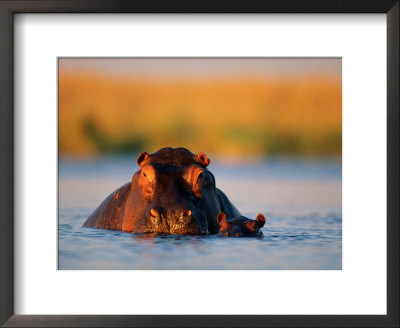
pixel 240 226
pixel 172 192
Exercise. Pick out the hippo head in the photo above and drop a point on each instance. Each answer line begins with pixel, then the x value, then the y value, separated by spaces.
pixel 172 192
pixel 241 226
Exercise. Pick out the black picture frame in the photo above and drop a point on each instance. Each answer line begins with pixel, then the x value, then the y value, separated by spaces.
pixel 10 7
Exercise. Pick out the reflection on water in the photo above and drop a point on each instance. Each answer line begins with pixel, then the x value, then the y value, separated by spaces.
pixel 300 199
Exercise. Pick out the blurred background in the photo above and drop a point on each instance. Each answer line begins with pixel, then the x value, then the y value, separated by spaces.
pixel 271 127
pixel 227 108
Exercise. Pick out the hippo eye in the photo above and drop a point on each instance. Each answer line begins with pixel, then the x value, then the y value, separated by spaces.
pixel 148 175
pixel 202 177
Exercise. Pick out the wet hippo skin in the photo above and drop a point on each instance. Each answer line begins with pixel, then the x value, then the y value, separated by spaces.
pixel 171 192
pixel 240 226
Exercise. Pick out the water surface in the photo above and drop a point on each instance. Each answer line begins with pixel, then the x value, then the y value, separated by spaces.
pixel 301 200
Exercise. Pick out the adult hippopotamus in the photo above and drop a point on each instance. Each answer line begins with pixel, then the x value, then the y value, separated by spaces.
pixel 171 192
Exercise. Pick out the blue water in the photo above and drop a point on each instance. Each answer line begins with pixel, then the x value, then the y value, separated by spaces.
pixel 301 200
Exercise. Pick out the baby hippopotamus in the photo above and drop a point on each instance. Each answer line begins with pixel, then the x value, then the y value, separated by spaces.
pixel 240 226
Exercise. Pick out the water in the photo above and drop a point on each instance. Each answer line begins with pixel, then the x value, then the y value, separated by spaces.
pixel 301 200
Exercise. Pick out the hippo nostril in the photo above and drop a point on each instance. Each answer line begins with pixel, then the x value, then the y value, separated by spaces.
pixel 187 213
pixel 153 212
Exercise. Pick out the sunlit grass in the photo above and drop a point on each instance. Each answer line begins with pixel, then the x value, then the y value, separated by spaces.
pixel 227 116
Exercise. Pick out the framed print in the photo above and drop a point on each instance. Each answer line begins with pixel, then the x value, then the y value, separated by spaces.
pixel 285 111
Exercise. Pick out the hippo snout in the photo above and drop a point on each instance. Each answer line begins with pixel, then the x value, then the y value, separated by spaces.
pixel 177 221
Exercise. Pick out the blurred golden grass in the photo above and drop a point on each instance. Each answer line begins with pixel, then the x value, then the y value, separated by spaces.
pixel 237 115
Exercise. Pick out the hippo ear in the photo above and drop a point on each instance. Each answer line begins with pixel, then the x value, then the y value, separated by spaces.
pixel 260 220
pixel 202 159
pixel 142 157
pixel 221 217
